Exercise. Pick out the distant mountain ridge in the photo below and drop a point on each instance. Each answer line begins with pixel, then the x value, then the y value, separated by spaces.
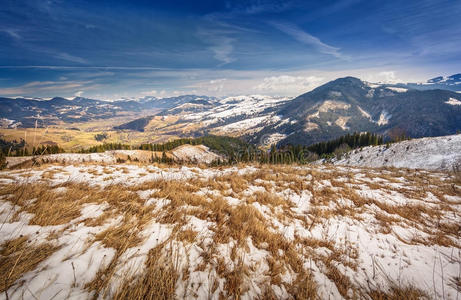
pixel 341 106
pixel 327 112
pixel 451 83
pixel 349 104
pixel 22 112
pixel 449 80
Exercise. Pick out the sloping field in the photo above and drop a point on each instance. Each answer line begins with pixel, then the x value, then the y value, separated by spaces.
pixel 432 153
pixel 136 231
pixel 186 153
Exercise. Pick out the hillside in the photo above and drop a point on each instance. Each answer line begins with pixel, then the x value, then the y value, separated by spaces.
pixel 341 106
pixel 184 153
pixel 438 153
pixel 235 116
pixel 351 105
pixel 23 113
pixel 279 232
pixel 451 83
pixel 338 107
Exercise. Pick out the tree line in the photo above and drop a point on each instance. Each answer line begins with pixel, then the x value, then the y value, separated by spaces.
pixel 15 148
pixel 221 144
pixel 232 149
pixel 353 141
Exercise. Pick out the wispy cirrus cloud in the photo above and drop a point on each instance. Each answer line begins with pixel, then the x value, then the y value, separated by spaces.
pixel 12 33
pixel 221 44
pixel 71 58
pixel 261 6
pixel 35 87
pixel 306 38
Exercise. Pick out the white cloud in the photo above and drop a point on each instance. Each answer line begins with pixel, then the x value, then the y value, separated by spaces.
pixel 149 93
pixel 220 43
pixel 12 33
pixel 223 49
pixel 53 88
pixel 288 85
pixel 383 77
pixel 307 39
pixel 159 94
pixel 71 58
pixel 78 94
pixel 211 82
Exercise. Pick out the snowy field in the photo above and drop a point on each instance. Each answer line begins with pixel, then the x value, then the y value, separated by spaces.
pixel 134 231
pixel 432 153
pixel 186 153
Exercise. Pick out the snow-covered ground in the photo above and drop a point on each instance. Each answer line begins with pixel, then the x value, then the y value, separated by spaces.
pixel 187 153
pixel 432 153
pixel 230 111
pixel 248 231
pixel 199 153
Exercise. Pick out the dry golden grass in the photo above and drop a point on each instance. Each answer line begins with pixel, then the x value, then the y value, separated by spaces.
pixel 187 235
pixel 397 293
pixel 157 280
pixel 238 224
pixel 50 174
pixel 19 256
pixel 234 279
pixel 49 208
pixel 235 182
pixel 120 237
pixel 269 199
pixel 342 282
pixel 304 287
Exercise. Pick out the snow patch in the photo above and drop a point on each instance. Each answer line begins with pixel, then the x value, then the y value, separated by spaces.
pixel 342 121
pixel 433 153
pixel 384 118
pixel 453 101
pixel 397 89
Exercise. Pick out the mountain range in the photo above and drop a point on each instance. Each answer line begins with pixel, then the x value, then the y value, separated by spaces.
pixel 338 107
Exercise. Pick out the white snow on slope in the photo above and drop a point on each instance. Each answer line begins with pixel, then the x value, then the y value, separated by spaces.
pixel 384 118
pixel 397 89
pixel 372 85
pixel 364 113
pixel 432 153
pixel 342 121
pixel 370 255
pixel 199 153
pixel 453 101
pixel 251 107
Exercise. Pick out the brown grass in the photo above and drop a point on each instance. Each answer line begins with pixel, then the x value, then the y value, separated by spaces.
pixel 239 224
pixel 19 256
pixel 157 280
pixel 398 293
pixel 457 171
pixel 187 235
pixel 304 287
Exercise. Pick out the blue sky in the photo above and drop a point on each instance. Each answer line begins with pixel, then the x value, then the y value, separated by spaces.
pixel 114 49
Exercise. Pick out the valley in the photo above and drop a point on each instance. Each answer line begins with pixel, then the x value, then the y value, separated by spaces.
pixel 345 105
